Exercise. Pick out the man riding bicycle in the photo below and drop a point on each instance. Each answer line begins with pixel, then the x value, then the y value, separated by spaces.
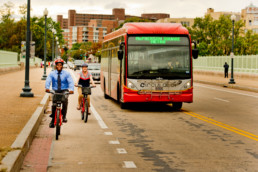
pixel 84 79
pixel 61 82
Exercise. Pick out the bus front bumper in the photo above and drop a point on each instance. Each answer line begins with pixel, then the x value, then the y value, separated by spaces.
pixel 158 97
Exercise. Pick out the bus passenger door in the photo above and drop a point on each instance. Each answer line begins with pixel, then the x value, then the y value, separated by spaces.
pixel 109 72
pixel 121 72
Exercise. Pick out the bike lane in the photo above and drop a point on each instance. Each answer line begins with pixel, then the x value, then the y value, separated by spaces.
pixel 38 156
pixel 81 146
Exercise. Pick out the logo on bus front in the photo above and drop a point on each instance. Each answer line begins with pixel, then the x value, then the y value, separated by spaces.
pixel 159 84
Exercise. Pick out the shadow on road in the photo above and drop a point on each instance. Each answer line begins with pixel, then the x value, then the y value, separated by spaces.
pixel 146 107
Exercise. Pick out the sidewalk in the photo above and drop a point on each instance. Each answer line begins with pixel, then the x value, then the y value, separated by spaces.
pixel 15 111
pixel 241 83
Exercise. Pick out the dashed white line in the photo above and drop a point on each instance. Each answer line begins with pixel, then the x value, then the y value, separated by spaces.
pixel 121 151
pixel 129 164
pixel 221 99
pixel 98 118
pixel 114 142
pixel 228 91
pixel 108 133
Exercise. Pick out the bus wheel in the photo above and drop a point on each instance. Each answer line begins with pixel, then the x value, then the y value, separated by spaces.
pixel 105 95
pixel 123 105
pixel 177 105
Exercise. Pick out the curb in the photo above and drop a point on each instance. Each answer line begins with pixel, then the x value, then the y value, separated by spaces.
pixel 229 86
pixel 12 162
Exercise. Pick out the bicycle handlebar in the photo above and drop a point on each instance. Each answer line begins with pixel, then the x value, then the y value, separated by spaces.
pixel 53 92
pixel 82 86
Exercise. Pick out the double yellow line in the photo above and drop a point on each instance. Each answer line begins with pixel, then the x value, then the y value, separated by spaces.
pixel 222 125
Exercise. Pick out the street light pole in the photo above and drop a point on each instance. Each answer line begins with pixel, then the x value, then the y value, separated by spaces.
pixel 27 90
pixel 53 48
pixel 231 81
pixel 44 77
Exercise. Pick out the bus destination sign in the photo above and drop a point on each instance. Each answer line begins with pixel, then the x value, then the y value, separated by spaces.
pixel 158 40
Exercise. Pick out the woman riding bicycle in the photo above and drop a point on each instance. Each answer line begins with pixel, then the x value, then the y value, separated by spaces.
pixel 84 79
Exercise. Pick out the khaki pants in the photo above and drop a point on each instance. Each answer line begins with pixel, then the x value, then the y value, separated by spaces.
pixel 81 96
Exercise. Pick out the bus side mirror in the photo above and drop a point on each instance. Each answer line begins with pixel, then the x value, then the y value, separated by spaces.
pixel 120 54
pixel 195 51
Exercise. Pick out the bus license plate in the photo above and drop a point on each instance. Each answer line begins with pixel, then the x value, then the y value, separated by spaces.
pixel 159 88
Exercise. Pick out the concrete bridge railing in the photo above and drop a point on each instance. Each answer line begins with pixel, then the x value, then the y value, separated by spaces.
pixel 9 62
pixel 8 59
pixel 242 64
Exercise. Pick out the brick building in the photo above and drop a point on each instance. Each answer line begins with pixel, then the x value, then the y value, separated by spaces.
pixel 93 27
pixel 249 15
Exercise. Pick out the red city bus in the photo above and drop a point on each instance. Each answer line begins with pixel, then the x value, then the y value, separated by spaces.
pixel 148 62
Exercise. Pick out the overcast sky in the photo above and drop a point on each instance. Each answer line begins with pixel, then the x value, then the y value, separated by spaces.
pixel 176 8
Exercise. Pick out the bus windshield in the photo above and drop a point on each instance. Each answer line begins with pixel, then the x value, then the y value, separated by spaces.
pixel 158 59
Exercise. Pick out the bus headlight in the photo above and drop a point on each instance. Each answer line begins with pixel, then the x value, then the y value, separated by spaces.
pixel 187 85
pixel 131 85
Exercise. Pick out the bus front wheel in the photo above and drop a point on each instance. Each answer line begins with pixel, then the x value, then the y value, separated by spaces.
pixel 177 105
pixel 123 105
pixel 105 95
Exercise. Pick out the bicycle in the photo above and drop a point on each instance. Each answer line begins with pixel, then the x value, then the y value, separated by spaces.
pixel 58 98
pixel 85 104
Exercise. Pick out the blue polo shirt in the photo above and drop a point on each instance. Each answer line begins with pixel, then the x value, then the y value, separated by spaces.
pixel 66 80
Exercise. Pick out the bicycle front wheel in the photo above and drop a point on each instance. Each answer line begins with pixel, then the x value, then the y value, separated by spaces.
pixel 57 124
pixel 86 111
pixel 82 110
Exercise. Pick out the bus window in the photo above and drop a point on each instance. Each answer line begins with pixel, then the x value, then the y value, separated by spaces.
pixel 150 62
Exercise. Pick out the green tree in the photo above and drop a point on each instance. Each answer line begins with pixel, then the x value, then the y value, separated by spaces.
pixel 38 35
pixel 6 11
pixel 214 37
pixel 14 32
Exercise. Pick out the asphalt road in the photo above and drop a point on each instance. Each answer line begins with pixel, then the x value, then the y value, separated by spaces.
pixel 218 132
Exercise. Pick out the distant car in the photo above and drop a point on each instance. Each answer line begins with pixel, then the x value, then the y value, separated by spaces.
pixel 94 69
pixel 71 65
pixel 65 65
pixel 78 64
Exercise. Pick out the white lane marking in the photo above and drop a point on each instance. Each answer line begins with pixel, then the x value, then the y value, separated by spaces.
pixel 114 142
pixel 108 133
pixel 226 91
pixel 98 118
pixel 121 151
pixel 129 164
pixel 221 99
pixel 95 113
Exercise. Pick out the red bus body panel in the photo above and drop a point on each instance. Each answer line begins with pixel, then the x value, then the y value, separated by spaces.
pixel 180 96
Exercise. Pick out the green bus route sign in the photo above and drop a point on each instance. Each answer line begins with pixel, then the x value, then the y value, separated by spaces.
pixel 157 40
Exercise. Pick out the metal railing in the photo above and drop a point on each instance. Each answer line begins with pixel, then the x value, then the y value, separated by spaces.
pixel 246 64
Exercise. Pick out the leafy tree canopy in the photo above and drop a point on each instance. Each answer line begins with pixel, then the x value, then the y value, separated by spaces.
pixel 214 37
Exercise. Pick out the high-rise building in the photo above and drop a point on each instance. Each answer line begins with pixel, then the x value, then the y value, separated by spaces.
pixel 93 27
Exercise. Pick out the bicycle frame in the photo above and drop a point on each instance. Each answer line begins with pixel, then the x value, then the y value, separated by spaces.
pixel 84 99
pixel 58 107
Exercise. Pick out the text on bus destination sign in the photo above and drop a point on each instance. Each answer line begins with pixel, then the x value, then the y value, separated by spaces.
pixel 157 40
